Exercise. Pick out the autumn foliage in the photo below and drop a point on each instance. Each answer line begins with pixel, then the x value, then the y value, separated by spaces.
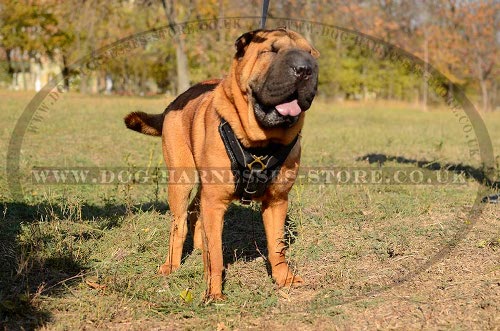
pixel 458 38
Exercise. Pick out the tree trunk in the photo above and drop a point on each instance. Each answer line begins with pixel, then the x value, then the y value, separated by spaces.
pixel 182 66
pixel 221 32
pixel 425 83
pixel 308 14
pixel 65 73
pixel 180 49
pixel 23 71
pixel 493 97
pixel 10 68
pixel 484 95
pixel 84 84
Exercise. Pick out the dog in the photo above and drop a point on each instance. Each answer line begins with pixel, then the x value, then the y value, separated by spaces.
pixel 259 107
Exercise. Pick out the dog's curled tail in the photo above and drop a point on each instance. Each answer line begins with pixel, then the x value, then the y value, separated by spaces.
pixel 145 123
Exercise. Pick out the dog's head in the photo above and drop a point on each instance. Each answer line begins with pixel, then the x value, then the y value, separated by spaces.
pixel 277 74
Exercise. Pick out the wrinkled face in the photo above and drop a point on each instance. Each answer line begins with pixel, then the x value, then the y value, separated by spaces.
pixel 278 75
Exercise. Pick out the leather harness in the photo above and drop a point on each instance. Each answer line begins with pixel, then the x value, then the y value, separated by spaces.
pixel 253 168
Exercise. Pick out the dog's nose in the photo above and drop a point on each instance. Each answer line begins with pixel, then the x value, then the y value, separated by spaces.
pixel 303 71
pixel 301 63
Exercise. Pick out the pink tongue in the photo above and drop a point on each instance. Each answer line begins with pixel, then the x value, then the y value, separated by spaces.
pixel 289 109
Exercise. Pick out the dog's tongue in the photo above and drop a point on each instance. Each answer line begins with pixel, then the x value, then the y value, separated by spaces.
pixel 289 108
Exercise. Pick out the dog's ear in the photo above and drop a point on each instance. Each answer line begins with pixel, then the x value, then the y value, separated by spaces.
pixel 243 41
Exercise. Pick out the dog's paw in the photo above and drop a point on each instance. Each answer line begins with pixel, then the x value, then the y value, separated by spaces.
pixel 166 269
pixel 217 297
pixel 289 280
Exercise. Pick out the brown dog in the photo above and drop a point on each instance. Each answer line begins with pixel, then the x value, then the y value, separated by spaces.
pixel 272 82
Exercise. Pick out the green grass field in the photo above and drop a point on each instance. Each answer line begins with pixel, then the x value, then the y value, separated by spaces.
pixel 86 256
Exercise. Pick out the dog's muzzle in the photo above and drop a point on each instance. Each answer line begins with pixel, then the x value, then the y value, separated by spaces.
pixel 287 90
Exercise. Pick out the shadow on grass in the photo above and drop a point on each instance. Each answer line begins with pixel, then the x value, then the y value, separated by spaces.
pixel 478 174
pixel 25 274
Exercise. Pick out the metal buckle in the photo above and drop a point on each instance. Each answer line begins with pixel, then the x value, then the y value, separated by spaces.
pixel 258 160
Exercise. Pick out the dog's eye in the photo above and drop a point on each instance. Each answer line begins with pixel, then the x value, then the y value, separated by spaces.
pixel 268 51
pixel 272 49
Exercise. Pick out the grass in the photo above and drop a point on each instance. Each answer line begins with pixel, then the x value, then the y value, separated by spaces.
pixel 85 256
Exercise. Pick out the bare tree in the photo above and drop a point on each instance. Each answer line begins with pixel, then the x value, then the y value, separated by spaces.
pixel 180 48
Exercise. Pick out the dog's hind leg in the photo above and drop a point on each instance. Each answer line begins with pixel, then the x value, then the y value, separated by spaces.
pixel 178 197
pixel 182 178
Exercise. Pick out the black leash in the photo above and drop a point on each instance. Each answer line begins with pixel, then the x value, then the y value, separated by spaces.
pixel 265 8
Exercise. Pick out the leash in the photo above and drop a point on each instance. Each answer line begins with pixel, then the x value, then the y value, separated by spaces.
pixel 265 8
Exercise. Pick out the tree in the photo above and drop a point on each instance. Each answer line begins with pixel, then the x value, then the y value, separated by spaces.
pixel 180 48
pixel 24 33
pixel 464 44
pixel 480 27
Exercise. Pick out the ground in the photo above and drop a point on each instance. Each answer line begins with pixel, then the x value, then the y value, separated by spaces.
pixel 374 255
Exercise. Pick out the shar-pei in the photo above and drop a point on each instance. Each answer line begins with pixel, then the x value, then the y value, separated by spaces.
pixel 247 123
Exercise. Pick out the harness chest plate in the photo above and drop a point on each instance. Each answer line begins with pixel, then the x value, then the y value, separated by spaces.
pixel 253 168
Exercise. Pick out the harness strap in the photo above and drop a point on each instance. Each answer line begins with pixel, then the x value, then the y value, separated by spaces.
pixel 253 168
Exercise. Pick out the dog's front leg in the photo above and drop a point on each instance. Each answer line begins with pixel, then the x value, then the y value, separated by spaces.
pixel 212 220
pixel 273 215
